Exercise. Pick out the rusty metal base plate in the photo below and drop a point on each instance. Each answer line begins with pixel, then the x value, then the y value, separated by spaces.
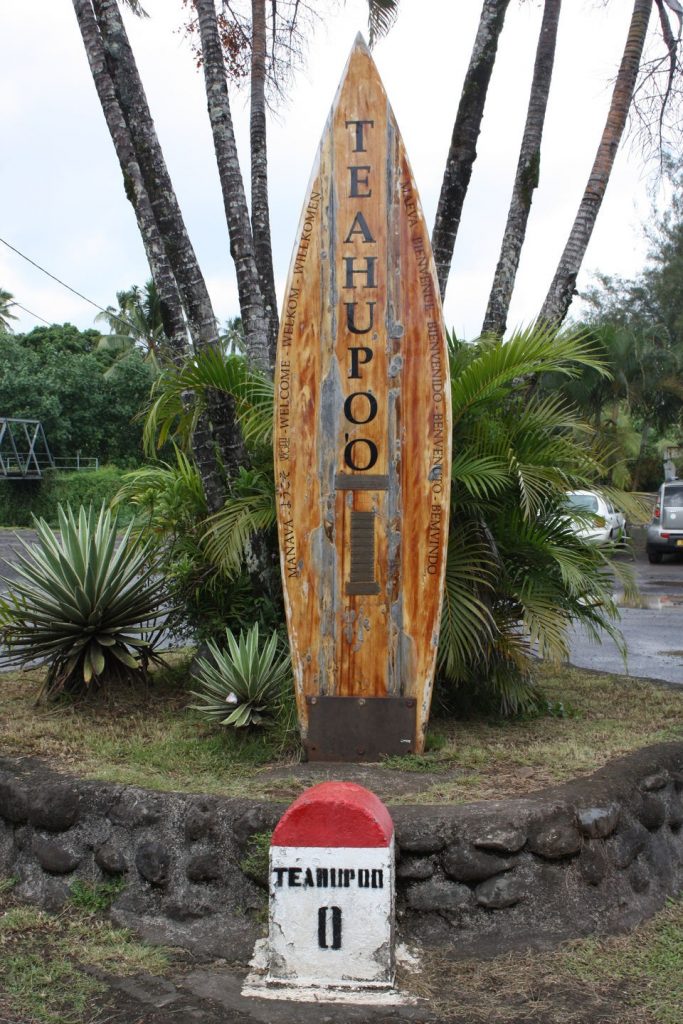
pixel 360 728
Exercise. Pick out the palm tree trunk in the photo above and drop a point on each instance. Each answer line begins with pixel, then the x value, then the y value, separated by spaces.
pixel 260 214
pixel 172 317
pixel 526 177
pixel 562 289
pixel 252 305
pixel 224 430
pixel 463 149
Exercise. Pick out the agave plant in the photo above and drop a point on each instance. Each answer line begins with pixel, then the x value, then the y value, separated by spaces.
pixel 83 605
pixel 244 683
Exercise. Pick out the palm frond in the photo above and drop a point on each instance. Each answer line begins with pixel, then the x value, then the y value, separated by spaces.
pixel 381 16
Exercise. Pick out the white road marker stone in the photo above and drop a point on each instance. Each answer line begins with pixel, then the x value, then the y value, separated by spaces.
pixel 332 883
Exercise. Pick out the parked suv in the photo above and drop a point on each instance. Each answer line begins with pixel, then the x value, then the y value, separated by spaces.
pixel 665 532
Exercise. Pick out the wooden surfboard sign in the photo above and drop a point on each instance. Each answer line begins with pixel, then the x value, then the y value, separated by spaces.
pixel 362 442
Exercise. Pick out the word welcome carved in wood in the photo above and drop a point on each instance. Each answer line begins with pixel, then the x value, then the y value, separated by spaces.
pixel 362 438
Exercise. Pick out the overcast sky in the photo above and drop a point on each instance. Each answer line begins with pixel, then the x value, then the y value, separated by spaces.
pixel 62 196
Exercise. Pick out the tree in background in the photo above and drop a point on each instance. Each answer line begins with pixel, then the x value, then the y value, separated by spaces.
pixel 563 285
pixel 136 323
pixel 58 375
pixel 527 175
pixel 463 148
pixel 6 302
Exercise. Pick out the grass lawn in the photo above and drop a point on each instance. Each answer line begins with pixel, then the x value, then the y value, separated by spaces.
pixel 149 738
pixel 631 979
pixel 59 969
pixel 51 965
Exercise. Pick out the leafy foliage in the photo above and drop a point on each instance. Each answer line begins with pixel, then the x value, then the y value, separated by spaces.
pixel 517 576
pixel 244 683
pixel 381 16
pixel 95 897
pixel 83 605
pixel 6 302
pixel 21 500
pixel 135 323
pixel 208 591
pixel 56 375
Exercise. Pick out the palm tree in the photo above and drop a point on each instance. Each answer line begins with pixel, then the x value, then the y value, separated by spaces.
pixel 135 323
pixel 149 186
pixel 563 285
pixel 517 575
pixel 258 331
pixel 463 149
pixel 6 300
pixel 527 175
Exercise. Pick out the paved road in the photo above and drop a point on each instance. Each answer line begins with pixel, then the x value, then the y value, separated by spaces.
pixel 654 634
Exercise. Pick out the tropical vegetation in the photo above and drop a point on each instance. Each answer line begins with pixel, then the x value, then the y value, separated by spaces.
pixel 250 43
pixel 517 576
pixel 6 303
pixel 86 604
pixel 85 398
pixel 135 323
pixel 244 682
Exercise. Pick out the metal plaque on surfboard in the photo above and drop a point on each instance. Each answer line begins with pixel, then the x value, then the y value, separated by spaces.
pixel 362 427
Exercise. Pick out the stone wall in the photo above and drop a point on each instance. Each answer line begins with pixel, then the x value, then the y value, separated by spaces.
pixel 597 854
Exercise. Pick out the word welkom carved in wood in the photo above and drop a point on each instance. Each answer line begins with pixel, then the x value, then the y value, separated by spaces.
pixel 362 439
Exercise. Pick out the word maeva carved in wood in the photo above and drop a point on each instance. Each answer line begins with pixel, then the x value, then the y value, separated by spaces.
pixel 332 891
pixel 362 439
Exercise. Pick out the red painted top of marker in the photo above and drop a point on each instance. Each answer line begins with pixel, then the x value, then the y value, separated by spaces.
pixel 335 814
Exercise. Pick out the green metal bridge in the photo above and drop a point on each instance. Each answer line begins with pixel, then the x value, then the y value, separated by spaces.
pixel 25 453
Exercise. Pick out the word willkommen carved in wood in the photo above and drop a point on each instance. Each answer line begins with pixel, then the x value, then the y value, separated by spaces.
pixel 362 438
pixel 332 891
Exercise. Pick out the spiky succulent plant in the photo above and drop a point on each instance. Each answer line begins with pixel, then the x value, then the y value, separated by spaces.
pixel 84 605
pixel 244 683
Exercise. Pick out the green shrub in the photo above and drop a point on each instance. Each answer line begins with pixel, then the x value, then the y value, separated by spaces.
pixel 95 897
pixel 243 684
pixel 20 500
pixel 256 859
pixel 84 606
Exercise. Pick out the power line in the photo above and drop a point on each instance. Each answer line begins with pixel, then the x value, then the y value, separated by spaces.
pixel 80 295
pixel 30 312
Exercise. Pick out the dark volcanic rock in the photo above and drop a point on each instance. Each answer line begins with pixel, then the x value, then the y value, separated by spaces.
pixel 53 857
pixel 415 868
pixel 134 808
pixel 466 864
pixel 651 810
pixel 199 822
pixel 13 799
pixel 111 858
pixel 598 822
pixel 639 877
pixel 153 861
pixel 555 839
pixel 204 867
pixel 593 863
pixel 54 806
pixel 502 840
pixel 501 891
pixel 417 832
pixel 625 846
pixel 439 896
pixel 658 780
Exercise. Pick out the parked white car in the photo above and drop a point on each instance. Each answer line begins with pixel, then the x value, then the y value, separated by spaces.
pixel 597 521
